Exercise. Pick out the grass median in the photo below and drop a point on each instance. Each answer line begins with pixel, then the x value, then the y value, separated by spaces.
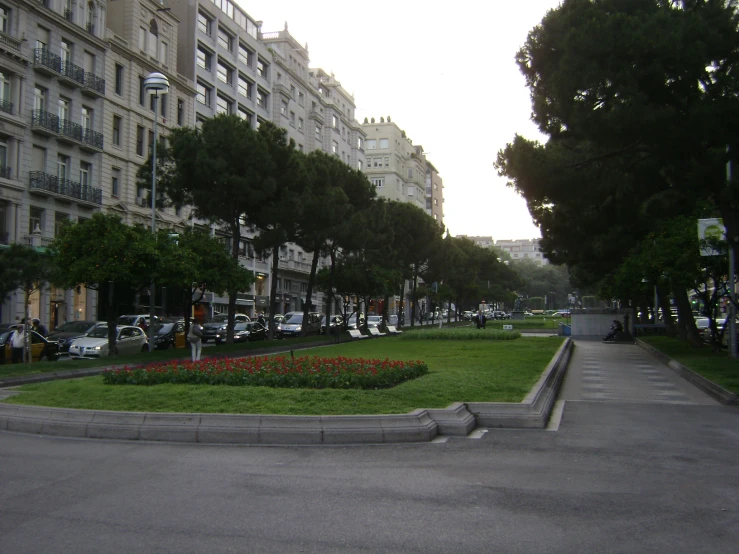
pixel 459 371
pixel 714 366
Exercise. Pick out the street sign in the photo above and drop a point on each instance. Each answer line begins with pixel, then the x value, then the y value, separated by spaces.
pixel 711 229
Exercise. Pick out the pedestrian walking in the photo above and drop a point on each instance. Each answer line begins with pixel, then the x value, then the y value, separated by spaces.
pixel 18 343
pixel 195 336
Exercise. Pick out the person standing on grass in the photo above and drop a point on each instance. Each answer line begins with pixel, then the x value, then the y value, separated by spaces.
pixel 195 336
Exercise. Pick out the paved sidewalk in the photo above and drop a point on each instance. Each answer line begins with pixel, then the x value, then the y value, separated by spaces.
pixel 609 372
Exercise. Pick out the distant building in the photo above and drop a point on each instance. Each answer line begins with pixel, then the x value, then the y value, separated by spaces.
pixel 522 249
pixel 485 242
pixel 399 170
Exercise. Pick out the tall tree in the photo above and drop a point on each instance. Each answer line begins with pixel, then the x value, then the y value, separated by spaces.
pixel 225 171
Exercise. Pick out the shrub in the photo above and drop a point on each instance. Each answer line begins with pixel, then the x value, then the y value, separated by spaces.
pixel 465 333
pixel 276 371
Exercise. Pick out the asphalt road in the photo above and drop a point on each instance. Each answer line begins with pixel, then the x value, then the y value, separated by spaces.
pixel 615 477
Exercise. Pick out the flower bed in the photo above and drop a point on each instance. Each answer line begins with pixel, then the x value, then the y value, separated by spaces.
pixel 275 371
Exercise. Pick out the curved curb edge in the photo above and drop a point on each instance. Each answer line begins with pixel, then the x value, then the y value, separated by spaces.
pixel 709 387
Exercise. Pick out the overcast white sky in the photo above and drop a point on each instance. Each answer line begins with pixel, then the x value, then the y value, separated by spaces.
pixel 445 73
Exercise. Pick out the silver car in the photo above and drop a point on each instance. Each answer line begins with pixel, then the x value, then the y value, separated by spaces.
pixel 129 340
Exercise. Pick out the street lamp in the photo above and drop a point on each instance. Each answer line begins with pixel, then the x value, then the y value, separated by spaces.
pixel 158 84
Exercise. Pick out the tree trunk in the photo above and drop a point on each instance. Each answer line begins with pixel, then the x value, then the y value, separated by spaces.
pixel 112 323
pixel 401 317
pixel 413 295
pixel 273 292
pixel 309 293
pixel 667 319
pixel 685 314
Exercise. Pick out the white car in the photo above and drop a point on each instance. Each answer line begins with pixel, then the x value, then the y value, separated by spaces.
pixel 129 340
pixel 374 320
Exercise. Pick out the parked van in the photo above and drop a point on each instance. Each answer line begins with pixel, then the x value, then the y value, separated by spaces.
pixel 293 325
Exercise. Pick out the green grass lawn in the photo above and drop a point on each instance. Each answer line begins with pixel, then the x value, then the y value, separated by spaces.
pixel 460 371
pixel 716 367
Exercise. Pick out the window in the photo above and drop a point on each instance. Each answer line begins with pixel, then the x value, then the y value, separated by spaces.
pixel 335 147
pixel 292 119
pixel 142 39
pixel 300 124
pixel 301 98
pixel 60 218
pixel 410 173
pixel 300 147
pixel 292 92
pixel 86 118
pixel 262 68
pixel 376 161
pixel 5 97
pixel 334 122
pixel 35 219
pixel 139 140
pixel 243 114
pixel 163 52
pixel 359 165
pixel 203 59
pixel 115 183
pixel 387 161
pixel 62 166
pixel 91 17
pixel 142 91
pixel 152 39
pixel 42 38
pixel 378 182
pixel 118 79
pixel 383 144
pixel 360 143
pixel 283 108
pixel 85 174
pixel 39 98
pixel 224 39
pixel 66 53
pixel 262 99
pixel 204 23
pixel 203 94
pixel 246 56
pixel 318 132
pixel 244 87
pixel 223 105
pixel 180 111
pixel 224 73
pixel 63 112
pixel 163 104
pixel 371 144
pixel 4 19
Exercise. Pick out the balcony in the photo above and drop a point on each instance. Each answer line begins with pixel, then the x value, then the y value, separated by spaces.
pixel 46 62
pixel 71 74
pixel 69 15
pixel 51 185
pixel 294 265
pixel 5 172
pixel 90 28
pixel 92 141
pixel 10 44
pixel 316 114
pixel 70 132
pixel 6 107
pixel 93 85
pixel 44 123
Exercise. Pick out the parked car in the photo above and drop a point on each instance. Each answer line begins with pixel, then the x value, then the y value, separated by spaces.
pixel 351 323
pixel 501 315
pixel 67 333
pixel 136 320
pixel 336 321
pixel 129 340
pixel 562 313
pixel 41 349
pixel 374 320
pixel 169 334
pixel 219 323
pixel 392 319
pixel 293 325
pixel 244 331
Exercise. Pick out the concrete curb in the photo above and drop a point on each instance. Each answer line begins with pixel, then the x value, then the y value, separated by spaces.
pixel 534 410
pixel 422 425
pixel 709 387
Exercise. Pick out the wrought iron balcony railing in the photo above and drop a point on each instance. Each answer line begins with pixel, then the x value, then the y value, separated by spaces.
pixel 94 83
pixel 45 120
pixel 68 15
pixel 93 138
pixel 6 106
pixel 5 172
pixel 40 181
pixel 71 130
pixel 44 58
pixel 73 72
pixel 90 28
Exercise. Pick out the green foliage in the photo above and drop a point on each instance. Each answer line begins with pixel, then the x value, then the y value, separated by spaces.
pixel 535 303
pixel 23 267
pixel 458 333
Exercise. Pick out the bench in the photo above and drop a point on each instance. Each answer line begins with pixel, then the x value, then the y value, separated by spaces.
pixel 375 332
pixel 355 334
pixel 392 330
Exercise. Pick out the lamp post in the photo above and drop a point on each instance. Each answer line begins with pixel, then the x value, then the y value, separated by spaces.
pixel 155 83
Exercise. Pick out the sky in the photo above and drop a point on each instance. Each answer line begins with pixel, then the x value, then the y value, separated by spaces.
pixel 446 74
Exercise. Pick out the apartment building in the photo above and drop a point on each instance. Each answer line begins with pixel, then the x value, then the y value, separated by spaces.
pixel 523 249
pixel 52 85
pixel 395 166
pixel 434 193
pixel 142 40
